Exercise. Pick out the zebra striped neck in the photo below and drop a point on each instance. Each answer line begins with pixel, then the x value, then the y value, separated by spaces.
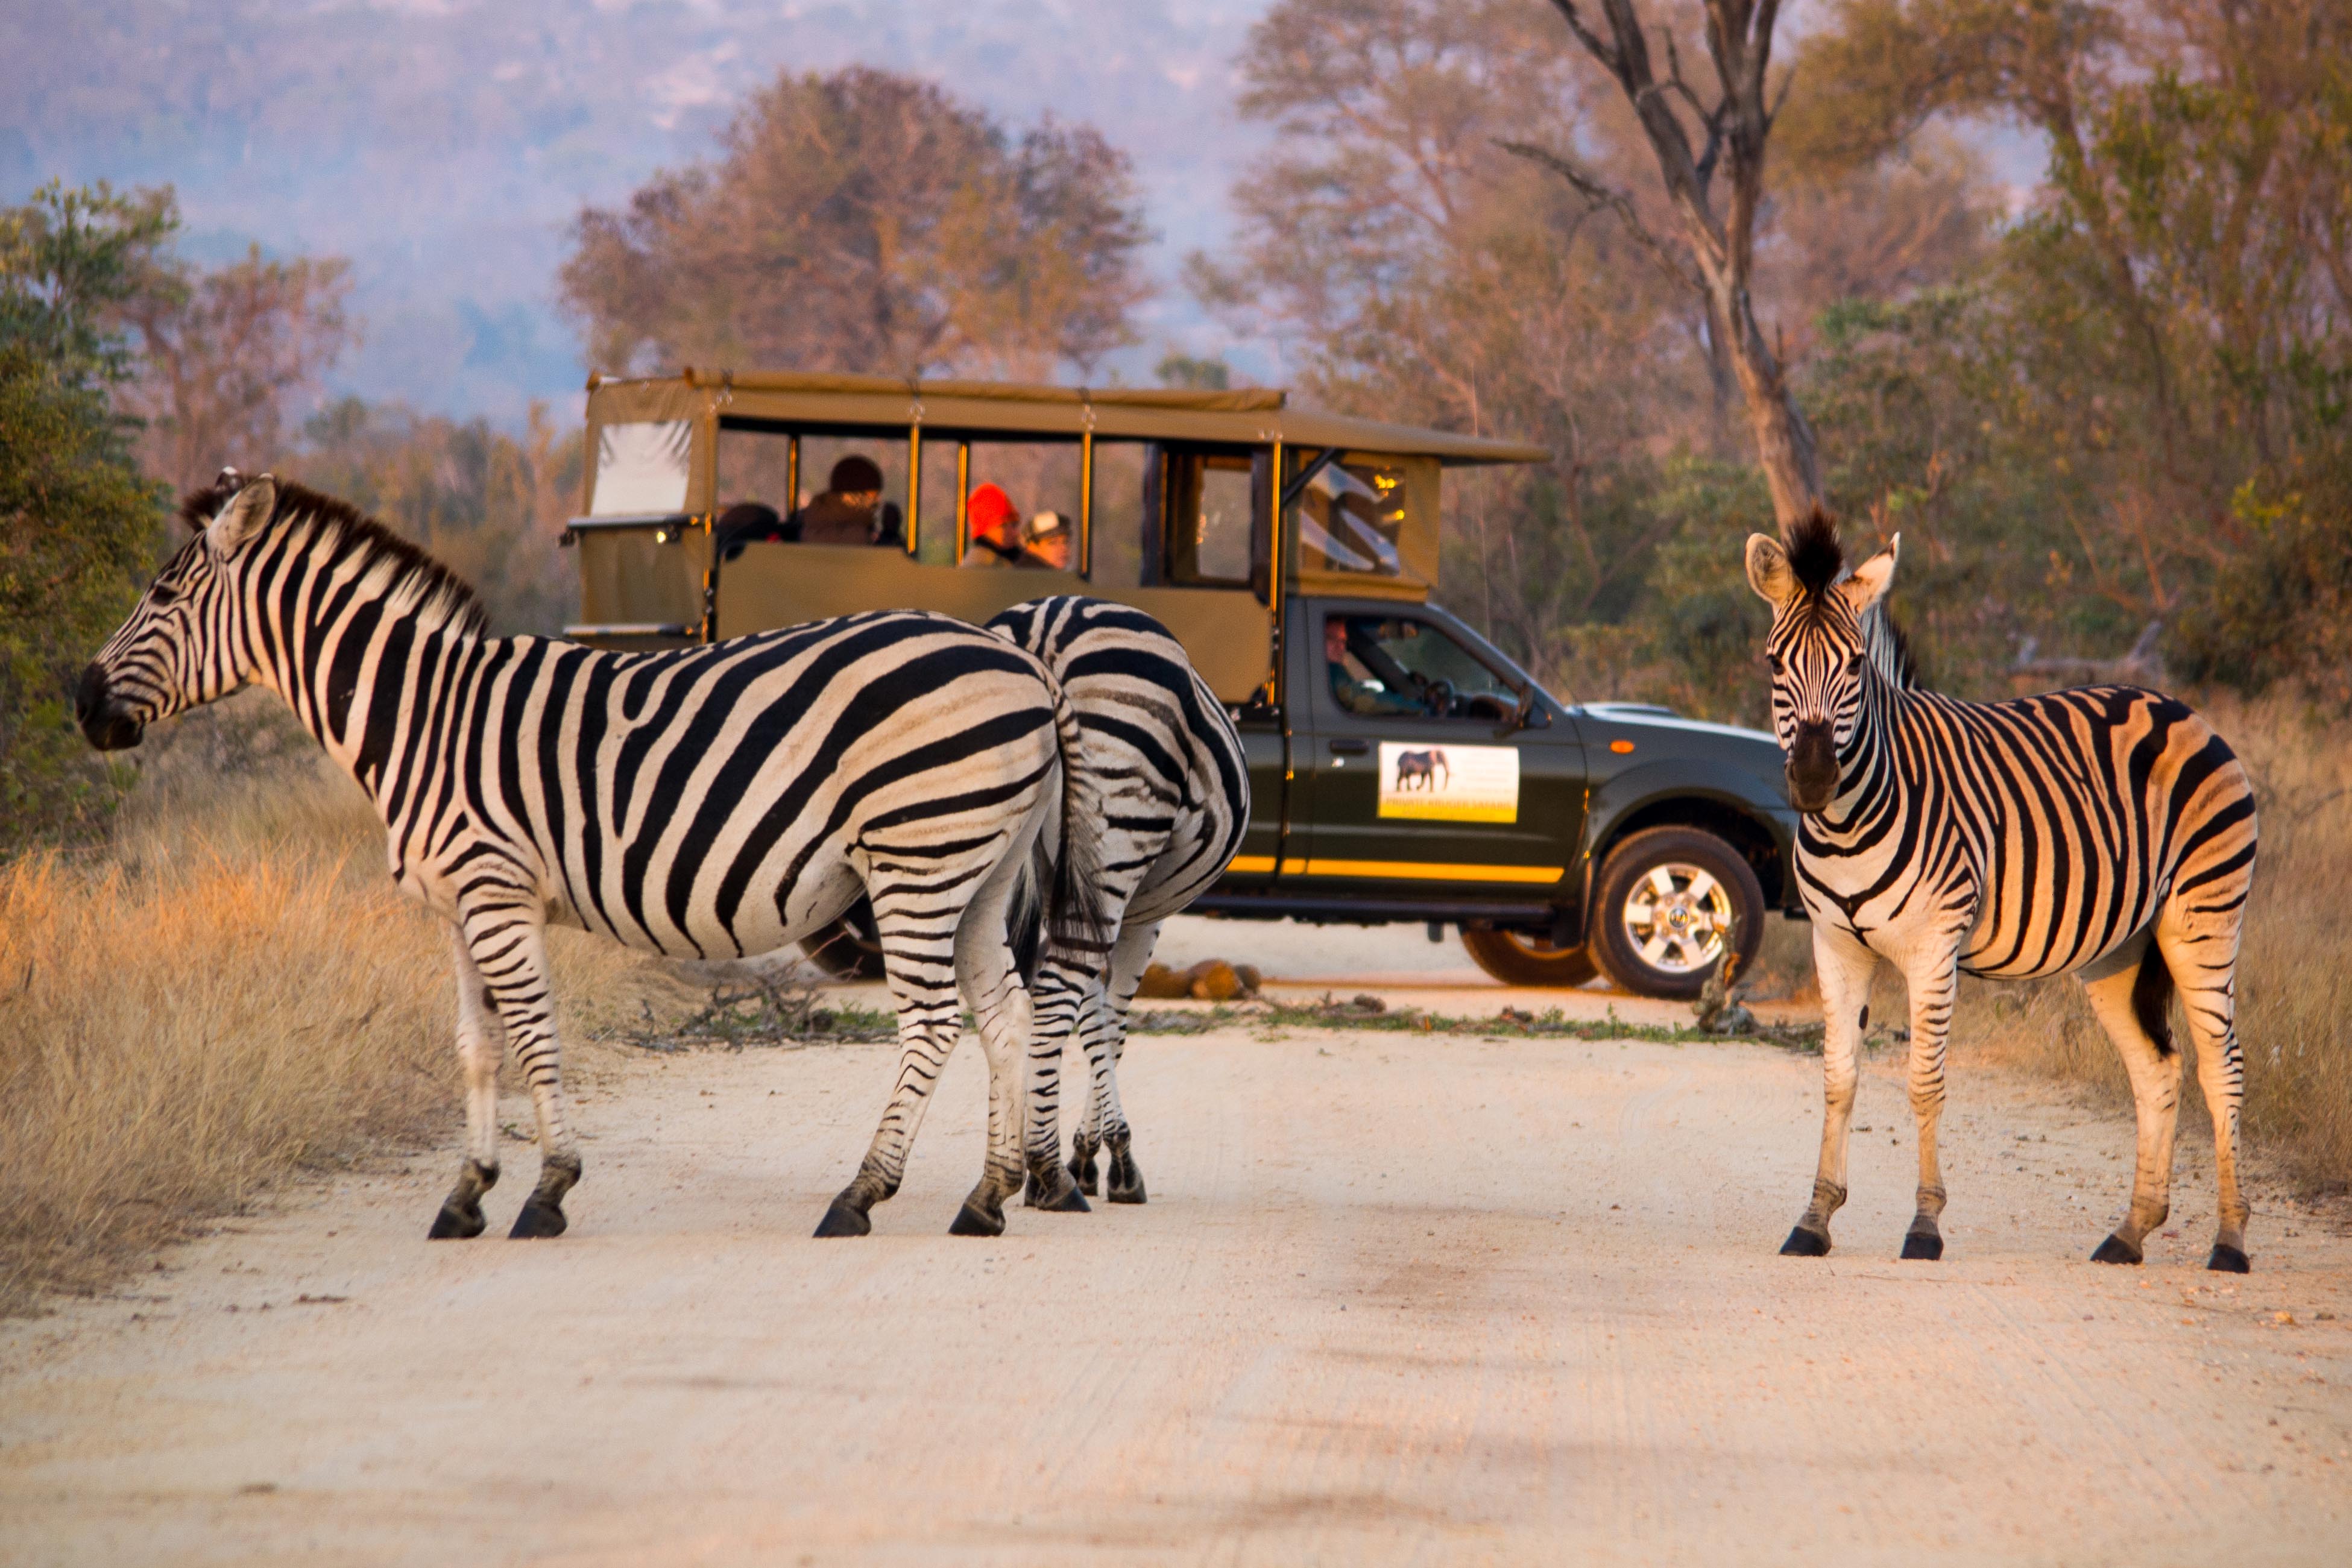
pixel 340 616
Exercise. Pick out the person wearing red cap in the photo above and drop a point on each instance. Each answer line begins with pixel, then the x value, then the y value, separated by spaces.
pixel 994 528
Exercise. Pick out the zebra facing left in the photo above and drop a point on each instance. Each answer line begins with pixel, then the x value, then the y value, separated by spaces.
pixel 707 802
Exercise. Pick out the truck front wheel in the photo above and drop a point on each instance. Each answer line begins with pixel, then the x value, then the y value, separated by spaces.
pixel 1524 958
pixel 1669 899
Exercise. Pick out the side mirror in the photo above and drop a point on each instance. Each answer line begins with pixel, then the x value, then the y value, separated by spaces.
pixel 1531 714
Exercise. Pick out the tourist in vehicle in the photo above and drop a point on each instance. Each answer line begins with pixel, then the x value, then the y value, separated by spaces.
pixel 995 525
pixel 850 511
pixel 1356 687
pixel 751 522
pixel 1047 538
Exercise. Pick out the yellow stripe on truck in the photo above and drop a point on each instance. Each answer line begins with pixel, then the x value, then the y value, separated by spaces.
pixel 1434 871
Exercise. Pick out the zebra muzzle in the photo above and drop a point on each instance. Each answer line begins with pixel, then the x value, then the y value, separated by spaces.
pixel 106 727
pixel 1813 768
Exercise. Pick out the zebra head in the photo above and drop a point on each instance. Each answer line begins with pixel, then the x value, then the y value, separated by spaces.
pixel 180 647
pixel 1819 648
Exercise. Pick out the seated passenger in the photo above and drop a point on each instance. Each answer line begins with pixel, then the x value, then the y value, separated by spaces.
pixel 748 522
pixel 1357 689
pixel 1048 539
pixel 850 511
pixel 994 528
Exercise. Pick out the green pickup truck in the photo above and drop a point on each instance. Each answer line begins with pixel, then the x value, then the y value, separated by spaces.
pixel 1402 767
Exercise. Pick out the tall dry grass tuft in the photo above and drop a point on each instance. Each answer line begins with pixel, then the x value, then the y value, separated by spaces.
pixel 2295 975
pixel 230 997
pixel 187 1030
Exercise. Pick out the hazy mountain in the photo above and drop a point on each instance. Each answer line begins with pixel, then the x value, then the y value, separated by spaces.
pixel 444 145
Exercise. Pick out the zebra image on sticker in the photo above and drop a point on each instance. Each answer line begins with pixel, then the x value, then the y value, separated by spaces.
pixel 1450 783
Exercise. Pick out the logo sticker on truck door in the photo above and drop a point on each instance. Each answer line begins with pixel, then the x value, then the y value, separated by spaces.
pixel 1450 783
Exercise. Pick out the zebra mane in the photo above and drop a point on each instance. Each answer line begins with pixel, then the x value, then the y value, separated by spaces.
pixel 1817 557
pixel 412 579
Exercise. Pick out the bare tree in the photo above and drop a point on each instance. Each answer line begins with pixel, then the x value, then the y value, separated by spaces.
pixel 1693 140
pixel 221 354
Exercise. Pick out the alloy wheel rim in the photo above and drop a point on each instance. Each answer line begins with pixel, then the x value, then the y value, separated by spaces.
pixel 1677 917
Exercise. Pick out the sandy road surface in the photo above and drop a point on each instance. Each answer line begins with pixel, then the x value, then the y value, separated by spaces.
pixel 1394 1300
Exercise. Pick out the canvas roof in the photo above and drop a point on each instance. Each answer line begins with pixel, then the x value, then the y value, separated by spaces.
pixel 1244 416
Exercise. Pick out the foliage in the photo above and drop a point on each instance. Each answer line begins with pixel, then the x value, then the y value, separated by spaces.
pixel 221 352
pixel 867 222
pixel 78 524
pixel 489 506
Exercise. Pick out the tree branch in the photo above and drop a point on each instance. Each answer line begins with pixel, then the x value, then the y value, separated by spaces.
pixel 1598 196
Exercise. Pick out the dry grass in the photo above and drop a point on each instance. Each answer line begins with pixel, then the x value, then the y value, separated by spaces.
pixel 233 995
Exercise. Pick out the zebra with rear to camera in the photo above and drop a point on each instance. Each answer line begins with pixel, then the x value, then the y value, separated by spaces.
pixel 1173 797
pixel 703 803
pixel 2105 831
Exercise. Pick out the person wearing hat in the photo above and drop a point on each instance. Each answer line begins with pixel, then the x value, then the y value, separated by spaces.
pixel 993 527
pixel 1048 537
pixel 850 510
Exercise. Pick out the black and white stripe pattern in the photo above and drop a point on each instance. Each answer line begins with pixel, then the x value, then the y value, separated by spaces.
pixel 1173 800
pixel 2107 832
pixel 704 804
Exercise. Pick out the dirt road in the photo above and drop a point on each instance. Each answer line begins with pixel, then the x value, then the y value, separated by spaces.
pixel 1392 1301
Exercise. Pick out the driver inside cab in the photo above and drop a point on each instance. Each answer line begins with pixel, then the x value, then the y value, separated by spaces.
pixel 1353 685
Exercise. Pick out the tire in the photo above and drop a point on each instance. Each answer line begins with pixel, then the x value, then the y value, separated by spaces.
pixel 1709 883
pixel 850 948
pixel 1523 959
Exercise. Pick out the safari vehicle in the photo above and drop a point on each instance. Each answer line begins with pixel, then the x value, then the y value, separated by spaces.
pixel 1403 769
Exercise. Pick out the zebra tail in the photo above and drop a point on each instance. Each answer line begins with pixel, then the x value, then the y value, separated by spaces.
pixel 1073 914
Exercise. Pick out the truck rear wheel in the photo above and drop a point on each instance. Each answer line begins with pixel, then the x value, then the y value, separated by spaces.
pixel 850 948
pixel 1524 958
pixel 1669 898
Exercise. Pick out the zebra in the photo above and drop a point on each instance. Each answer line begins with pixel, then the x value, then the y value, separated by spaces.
pixel 704 802
pixel 2106 831
pixel 1174 803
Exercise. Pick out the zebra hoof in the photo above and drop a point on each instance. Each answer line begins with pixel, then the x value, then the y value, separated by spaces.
pixel 2116 1250
pixel 844 1219
pixel 1125 1184
pixel 2227 1260
pixel 1070 1200
pixel 1084 1171
pixel 1804 1243
pixel 1922 1248
pixel 537 1220
pixel 973 1220
pixel 456 1223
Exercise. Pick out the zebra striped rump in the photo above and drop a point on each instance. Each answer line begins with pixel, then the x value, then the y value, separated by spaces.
pixel 1173 805
pixel 709 802
pixel 2107 832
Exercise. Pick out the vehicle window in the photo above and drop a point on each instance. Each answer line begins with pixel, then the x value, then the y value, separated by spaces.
pixel 1395 665
pixel 1020 501
pixel 641 467
pixel 1209 503
pixel 1352 519
pixel 833 490
pixel 1118 513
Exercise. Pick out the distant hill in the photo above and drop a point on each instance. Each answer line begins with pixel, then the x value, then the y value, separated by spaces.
pixel 444 145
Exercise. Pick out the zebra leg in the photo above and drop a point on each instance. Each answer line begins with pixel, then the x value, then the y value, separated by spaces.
pixel 1124 1182
pixel 1846 968
pixel 480 1040
pixel 917 952
pixel 1060 1004
pixel 507 945
pixel 2153 1067
pixel 1933 982
pixel 991 981
pixel 1086 1138
pixel 2203 962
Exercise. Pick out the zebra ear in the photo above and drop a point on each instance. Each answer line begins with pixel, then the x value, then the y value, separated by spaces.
pixel 1873 578
pixel 1767 571
pixel 242 518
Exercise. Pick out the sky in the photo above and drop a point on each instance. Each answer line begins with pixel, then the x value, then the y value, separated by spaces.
pixel 444 147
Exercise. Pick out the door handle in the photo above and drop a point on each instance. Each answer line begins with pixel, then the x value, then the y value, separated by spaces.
pixel 1350 747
